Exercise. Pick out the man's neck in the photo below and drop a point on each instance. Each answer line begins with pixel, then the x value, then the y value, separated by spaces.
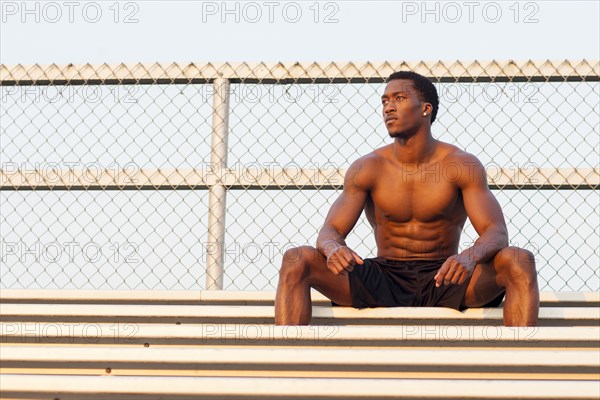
pixel 416 149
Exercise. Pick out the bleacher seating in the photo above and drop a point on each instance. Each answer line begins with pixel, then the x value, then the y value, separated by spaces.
pixel 220 344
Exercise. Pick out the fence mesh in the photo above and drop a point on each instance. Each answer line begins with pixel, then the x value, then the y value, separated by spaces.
pixel 106 170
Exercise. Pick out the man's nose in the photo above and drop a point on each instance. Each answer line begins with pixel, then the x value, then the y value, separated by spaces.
pixel 389 107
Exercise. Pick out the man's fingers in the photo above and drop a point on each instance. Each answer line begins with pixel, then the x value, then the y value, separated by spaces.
pixel 334 265
pixel 452 272
pixel 342 264
pixel 354 259
pixel 339 270
pixel 456 275
pixel 453 276
pixel 343 260
pixel 448 276
pixel 338 265
pixel 463 277
pixel 440 276
pixel 358 259
pixel 349 268
pixel 348 257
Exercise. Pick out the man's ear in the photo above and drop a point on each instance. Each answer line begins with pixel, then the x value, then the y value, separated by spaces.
pixel 427 108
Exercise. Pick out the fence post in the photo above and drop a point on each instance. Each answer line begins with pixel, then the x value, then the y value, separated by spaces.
pixel 217 193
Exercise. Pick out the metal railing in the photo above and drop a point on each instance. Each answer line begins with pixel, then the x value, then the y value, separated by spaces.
pixel 69 132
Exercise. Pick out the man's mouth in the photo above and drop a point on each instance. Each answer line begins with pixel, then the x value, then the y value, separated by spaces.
pixel 390 119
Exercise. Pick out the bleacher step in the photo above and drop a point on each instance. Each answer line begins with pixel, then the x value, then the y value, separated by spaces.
pixel 548 316
pixel 433 334
pixel 178 388
pixel 223 297
pixel 473 361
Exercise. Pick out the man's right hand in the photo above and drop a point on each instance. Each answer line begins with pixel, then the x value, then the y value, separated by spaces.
pixel 342 259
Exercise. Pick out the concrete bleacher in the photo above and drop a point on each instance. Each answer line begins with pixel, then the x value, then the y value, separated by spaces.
pixel 219 344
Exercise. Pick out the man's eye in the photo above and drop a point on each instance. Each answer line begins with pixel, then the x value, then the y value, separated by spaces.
pixel 399 97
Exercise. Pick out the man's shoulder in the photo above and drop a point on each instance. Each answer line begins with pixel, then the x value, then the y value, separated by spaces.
pixel 374 158
pixel 449 153
pixel 365 170
pixel 463 167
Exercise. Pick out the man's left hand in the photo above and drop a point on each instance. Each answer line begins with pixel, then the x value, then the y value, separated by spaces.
pixel 455 270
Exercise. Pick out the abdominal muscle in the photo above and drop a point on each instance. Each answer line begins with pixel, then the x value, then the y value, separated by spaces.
pixel 415 239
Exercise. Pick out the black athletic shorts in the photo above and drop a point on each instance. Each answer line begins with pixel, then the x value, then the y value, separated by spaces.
pixel 393 283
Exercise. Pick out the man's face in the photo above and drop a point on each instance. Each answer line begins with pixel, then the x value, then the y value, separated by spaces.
pixel 402 108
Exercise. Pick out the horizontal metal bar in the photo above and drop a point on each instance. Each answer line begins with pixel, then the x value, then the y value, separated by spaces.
pixel 325 72
pixel 268 178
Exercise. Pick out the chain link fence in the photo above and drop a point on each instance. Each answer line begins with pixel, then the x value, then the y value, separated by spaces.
pixel 201 176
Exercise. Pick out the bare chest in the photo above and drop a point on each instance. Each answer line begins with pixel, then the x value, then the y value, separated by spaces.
pixel 421 196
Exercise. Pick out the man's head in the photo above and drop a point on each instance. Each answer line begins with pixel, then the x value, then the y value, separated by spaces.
pixel 408 102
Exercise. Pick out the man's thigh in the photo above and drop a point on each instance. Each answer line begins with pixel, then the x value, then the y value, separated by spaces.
pixel 334 287
pixel 483 286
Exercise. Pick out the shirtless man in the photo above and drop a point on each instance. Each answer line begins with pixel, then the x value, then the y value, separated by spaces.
pixel 417 193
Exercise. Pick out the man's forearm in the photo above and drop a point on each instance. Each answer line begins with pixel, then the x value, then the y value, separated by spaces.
pixel 487 246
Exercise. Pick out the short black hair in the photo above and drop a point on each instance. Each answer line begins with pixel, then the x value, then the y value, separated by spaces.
pixel 423 85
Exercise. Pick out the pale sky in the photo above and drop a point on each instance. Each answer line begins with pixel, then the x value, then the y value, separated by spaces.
pixel 182 31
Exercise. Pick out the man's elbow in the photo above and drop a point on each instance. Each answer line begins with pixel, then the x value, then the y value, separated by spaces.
pixel 502 238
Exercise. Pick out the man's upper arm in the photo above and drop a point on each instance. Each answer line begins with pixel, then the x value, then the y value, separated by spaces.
pixel 346 209
pixel 481 205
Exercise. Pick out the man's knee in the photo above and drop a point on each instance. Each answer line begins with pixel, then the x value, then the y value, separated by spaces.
pixel 296 263
pixel 517 265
